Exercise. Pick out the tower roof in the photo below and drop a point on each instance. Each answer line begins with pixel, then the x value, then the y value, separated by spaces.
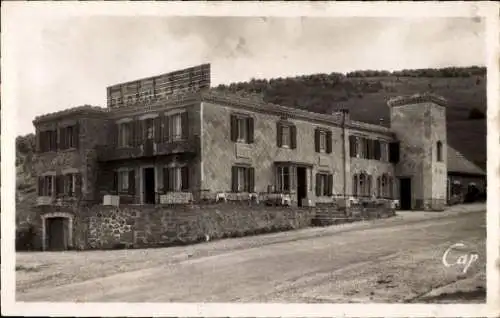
pixel 416 99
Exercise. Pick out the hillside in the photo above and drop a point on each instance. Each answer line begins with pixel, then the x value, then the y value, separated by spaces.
pixel 364 93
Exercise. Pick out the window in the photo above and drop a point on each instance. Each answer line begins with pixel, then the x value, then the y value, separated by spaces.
pixel 286 135
pixel 362 185
pixel 123 181
pixel 439 148
pixel 48 140
pixel 384 186
pixel 46 186
pixel 176 179
pixel 243 179
pixel 175 127
pixel 69 184
pixel 67 138
pixel 124 139
pixel 323 140
pixel 283 179
pixel 242 129
pixel 149 131
pixel 324 184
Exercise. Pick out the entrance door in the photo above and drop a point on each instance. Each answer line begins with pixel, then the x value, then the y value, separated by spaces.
pixel 301 184
pixel 405 193
pixel 56 234
pixel 149 185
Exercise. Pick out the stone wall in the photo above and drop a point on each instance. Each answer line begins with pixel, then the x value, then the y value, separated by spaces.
pixel 135 226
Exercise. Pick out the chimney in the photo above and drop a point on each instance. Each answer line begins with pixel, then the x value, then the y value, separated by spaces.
pixel 342 112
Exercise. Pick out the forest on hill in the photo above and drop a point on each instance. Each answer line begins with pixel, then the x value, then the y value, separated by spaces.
pixel 364 93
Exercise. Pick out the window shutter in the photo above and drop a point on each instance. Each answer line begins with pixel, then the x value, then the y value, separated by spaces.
pixel 78 184
pixel 279 134
pixel 352 146
pixel 185 125
pixel 138 132
pixel 379 192
pixel 251 179
pixel 185 178
pixel 114 134
pixel 40 186
pixel 76 135
pixel 158 133
pixel 166 128
pixel 57 186
pixel 131 182
pixel 293 136
pixel 330 184
pixel 55 140
pixel 369 182
pixel 394 152
pixel 370 148
pixel 62 139
pixel 329 141
pixel 234 128
pixel 234 179
pixel 166 179
pixel 316 139
pixel 355 185
pixel 377 150
pixel 318 184
pixel 367 148
pixel 115 182
pixel 250 127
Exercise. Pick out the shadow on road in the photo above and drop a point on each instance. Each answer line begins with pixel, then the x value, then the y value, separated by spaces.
pixel 477 295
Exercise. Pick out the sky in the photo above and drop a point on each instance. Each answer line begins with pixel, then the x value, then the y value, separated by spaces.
pixel 67 62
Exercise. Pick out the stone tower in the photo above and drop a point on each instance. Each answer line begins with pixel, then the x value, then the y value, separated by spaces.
pixel 419 123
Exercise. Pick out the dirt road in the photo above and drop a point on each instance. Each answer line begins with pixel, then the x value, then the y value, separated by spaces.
pixel 392 260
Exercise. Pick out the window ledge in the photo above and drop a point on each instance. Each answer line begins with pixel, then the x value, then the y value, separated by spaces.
pixel 67 150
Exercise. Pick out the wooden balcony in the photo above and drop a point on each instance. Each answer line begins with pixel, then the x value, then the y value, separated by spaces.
pixel 148 149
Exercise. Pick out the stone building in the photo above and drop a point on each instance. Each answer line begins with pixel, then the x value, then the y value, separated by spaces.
pixel 170 138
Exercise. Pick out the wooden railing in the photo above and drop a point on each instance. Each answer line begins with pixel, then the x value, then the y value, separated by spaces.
pixel 148 149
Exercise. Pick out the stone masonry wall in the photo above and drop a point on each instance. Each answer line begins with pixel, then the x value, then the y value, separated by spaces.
pixel 129 226
pixel 136 226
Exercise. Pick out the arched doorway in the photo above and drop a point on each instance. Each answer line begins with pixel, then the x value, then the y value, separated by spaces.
pixel 57 232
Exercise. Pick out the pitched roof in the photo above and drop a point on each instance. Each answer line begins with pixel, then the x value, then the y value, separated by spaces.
pixel 458 163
